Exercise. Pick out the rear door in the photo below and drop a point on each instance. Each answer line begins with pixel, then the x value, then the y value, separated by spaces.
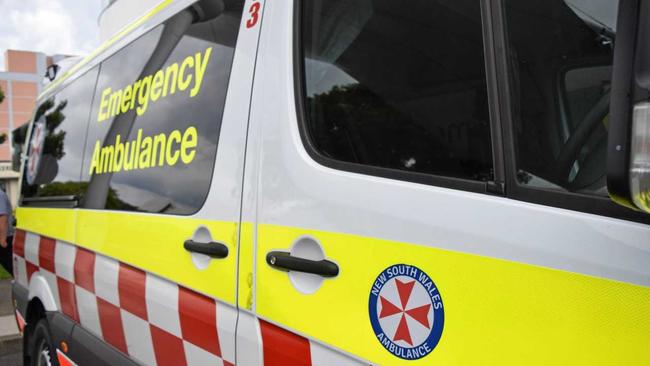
pixel 371 164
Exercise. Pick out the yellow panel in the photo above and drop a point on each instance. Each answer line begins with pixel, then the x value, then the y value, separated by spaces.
pixel 154 243
pixel 57 223
pixel 496 312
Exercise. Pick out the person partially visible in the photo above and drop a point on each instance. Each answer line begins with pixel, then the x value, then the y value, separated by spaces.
pixel 6 232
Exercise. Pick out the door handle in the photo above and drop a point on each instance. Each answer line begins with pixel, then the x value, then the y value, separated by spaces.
pixel 286 262
pixel 213 249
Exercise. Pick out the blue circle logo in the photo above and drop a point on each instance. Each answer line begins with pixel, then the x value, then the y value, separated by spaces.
pixel 406 311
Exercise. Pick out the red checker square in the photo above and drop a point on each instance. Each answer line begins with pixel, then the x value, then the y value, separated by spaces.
pixel 168 348
pixel 84 269
pixel 199 320
pixel 46 253
pixel 131 287
pixel 19 243
pixel 110 321
pixel 277 341
pixel 31 269
pixel 68 298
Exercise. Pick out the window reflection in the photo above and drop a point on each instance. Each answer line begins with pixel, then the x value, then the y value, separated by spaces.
pixel 165 178
pixel 398 87
pixel 64 118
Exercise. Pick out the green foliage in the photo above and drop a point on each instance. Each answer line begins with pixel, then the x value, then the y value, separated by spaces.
pixel 53 118
pixel 62 189
pixel 113 201
pixel 3 274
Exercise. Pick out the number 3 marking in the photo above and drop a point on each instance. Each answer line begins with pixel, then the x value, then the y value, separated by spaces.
pixel 254 12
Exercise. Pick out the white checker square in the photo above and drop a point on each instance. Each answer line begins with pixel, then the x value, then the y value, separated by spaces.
pixel 52 283
pixel 226 326
pixel 196 356
pixel 249 340
pixel 138 338
pixel 106 274
pixel 88 311
pixel 64 256
pixel 32 242
pixel 162 304
pixel 20 271
pixel 324 356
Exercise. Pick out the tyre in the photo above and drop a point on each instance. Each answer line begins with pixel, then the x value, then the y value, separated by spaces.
pixel 41 350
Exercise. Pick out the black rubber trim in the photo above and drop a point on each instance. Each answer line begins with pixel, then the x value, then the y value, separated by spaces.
pixel 299 94
pixel 20 294
pixel 86 349
pixel 213 249
pixel 642 58
pixel 51 201
pixel 284 261
pixel 60 329
pixel 498 185
pixel 618 145
pixel 602 206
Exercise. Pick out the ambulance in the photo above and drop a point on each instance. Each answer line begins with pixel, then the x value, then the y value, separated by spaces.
pixel 344 182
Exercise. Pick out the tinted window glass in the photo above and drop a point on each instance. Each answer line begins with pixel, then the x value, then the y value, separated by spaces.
pixel 398 86
pixel 561 55
pixel 18 137
pixel 55 152
pixel 156 116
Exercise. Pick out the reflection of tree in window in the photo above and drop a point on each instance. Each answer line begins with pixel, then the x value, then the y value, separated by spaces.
pixel 53 140
pixel 77 188
pixel 64 118
pixel 351 123
pixel 54 150
pixel 18 137
pixel 53 146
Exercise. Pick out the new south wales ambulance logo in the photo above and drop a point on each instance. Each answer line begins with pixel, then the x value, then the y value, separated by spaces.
pixel 406 311
pixel 35 150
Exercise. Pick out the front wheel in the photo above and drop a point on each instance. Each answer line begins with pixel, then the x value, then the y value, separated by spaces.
pixel 41 350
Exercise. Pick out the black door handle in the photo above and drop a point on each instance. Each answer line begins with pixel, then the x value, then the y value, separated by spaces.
pixel 213 248
pixel 286 262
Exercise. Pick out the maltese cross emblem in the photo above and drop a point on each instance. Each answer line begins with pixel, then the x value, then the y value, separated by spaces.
pixel 406 311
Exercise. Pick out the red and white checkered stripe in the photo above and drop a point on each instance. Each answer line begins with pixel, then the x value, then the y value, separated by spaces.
pixel 153 320
pixel 281 347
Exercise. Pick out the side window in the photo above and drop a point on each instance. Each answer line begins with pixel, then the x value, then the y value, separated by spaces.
pixel 156 116
pixel 398 86
pixel 561 56
pixel 55 151
pixel 18 137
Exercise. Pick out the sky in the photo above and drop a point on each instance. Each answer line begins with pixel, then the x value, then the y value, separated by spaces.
pixel 49 26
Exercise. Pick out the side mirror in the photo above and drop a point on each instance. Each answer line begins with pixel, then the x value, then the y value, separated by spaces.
pixel 628 150
pixel 52 71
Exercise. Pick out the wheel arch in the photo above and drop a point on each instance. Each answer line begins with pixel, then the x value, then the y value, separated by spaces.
pixel 39 288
